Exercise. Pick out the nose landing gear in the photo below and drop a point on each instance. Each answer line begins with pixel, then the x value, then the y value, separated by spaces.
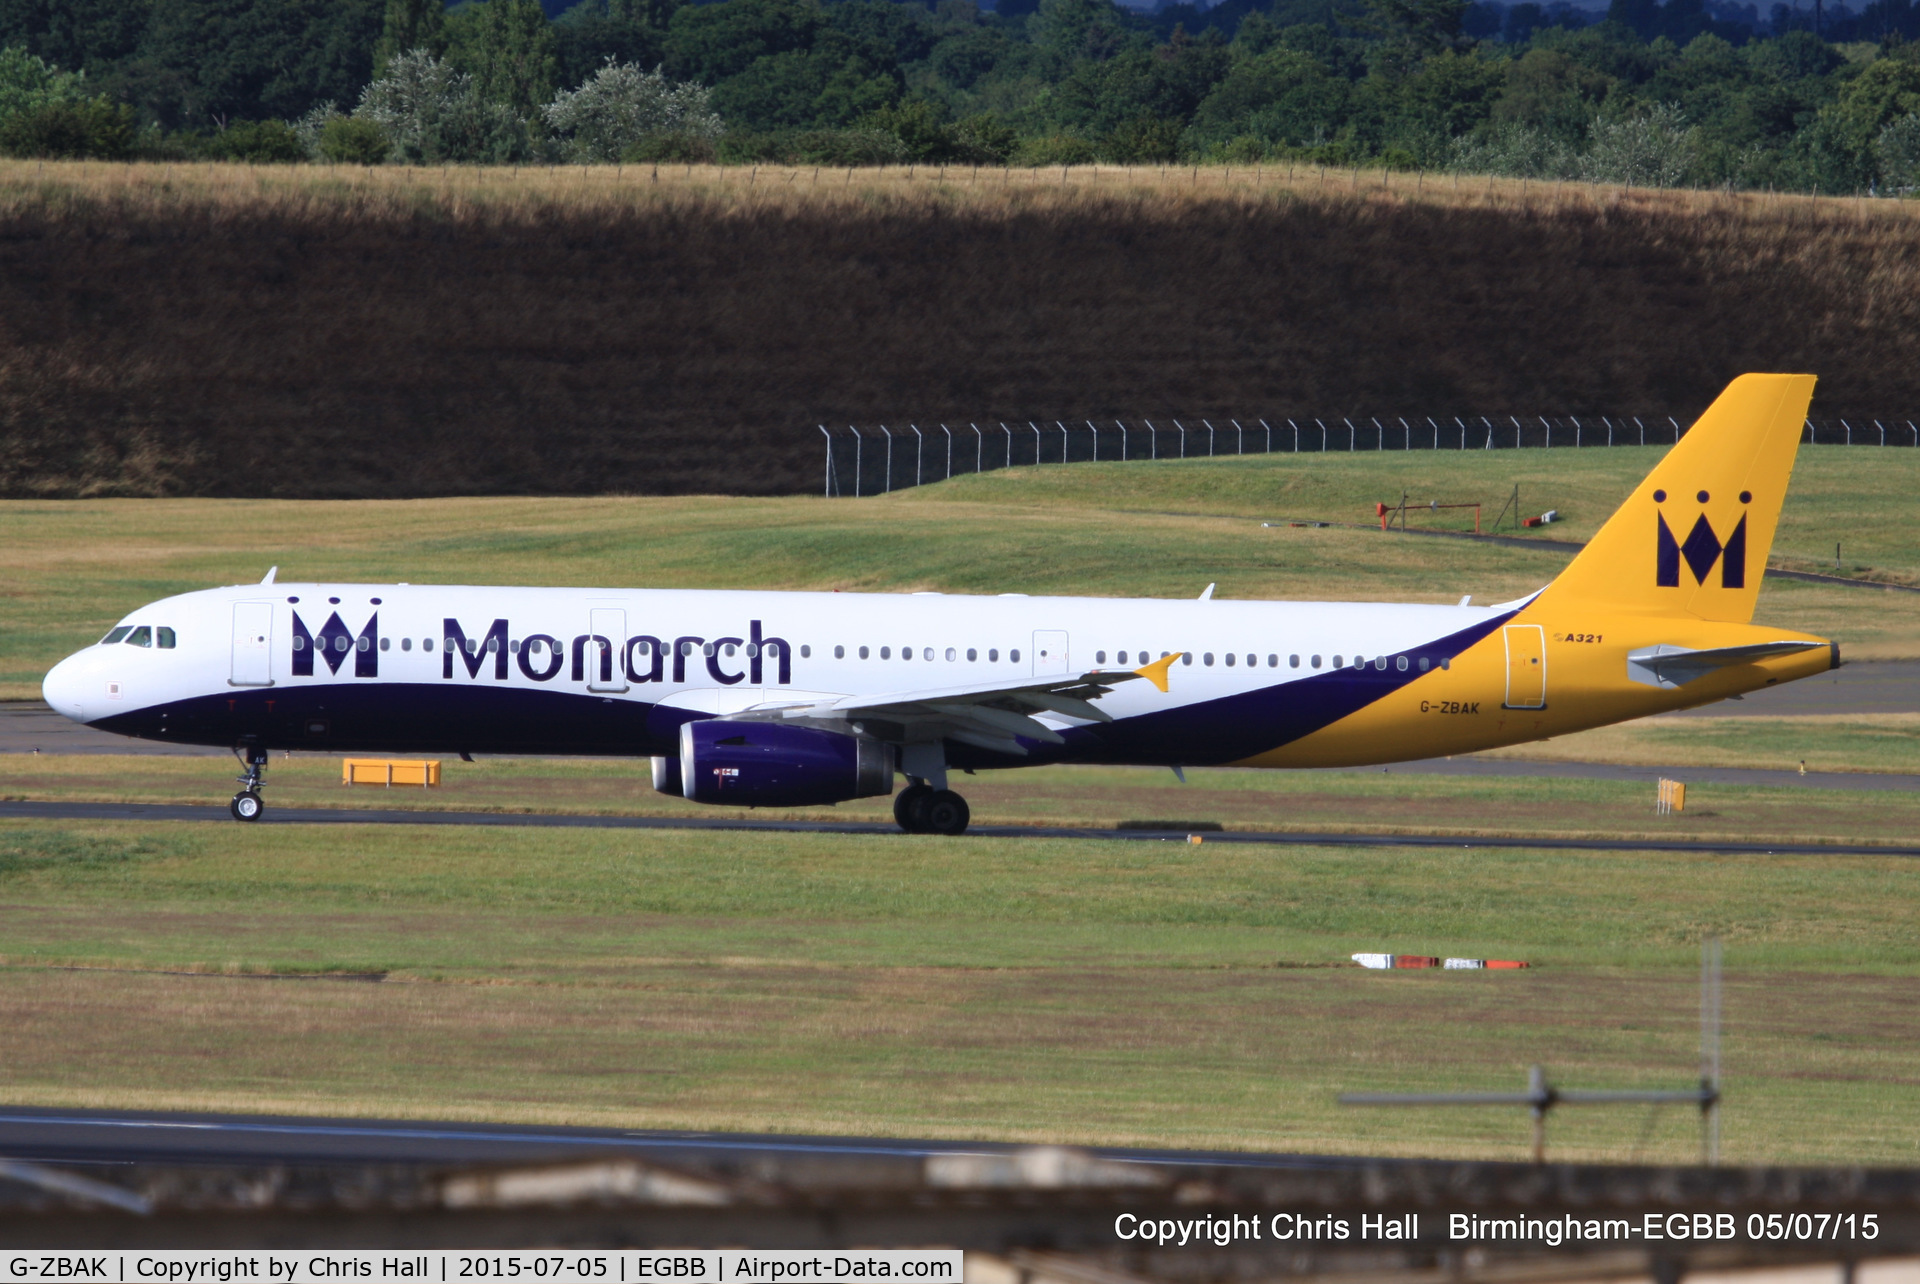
pixel 246 804
pixel 922 809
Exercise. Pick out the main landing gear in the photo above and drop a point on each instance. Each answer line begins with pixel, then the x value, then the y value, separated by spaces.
pixel 246 804
pixel 922 809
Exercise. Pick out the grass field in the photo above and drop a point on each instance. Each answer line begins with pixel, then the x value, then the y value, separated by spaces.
pixel 1077 991
pixel 1143 529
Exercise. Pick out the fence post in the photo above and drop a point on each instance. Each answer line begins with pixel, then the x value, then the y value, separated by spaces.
pixel 1883 432
pixel 1324 447
pixel 829 437
pixel 1239 438
pixel 858 442
pixel 1269 427
pixel 1209 426
pixel 1153 439
pixel 1036 442
pixel 1353 435
pixel 1379 436
pixel 1009 432
pixel 979 449
pixel 1643 430
pixel 945 429
pixel 1096 440
pixel 1406 431
pixel 1436 432
pixel 1549 423
pixel 1516 431
pixel 1183 437
pixel 919 451
pixel 1063 440
pixel 1463 431
pixel 1123 439
pixel 1676 429
pixel 1489 423
pixel 889 486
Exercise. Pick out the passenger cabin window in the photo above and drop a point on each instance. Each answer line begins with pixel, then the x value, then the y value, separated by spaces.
pixel 863 653
pixel 1401 664
pixel 163 638
pixel 951 655
pixel 886 653
pixel 1186 657
pixel 1336 661
pixel 1099 657
pixel 426 644
pixel 1445 663
pixel 1273 662
pixel 1014 655
pixel 839 653
pixel 142 636
pixel 972 654
pixel 406 644
pixel 117 635
pixel 993 653
pixel 1229 659
pixel 1424 662
pixel 1316 661
pixel 1293 662
pixel 386 644
pixel 1122 657
pixel 806 652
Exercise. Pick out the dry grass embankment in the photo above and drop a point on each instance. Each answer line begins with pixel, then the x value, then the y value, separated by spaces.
pixel 311 332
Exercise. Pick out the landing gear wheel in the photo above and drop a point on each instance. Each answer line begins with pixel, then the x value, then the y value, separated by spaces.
pixel 247 805
pixel 910 808
pixel 946 812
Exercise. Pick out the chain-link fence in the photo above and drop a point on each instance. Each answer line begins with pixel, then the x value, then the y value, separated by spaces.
pixel 875 459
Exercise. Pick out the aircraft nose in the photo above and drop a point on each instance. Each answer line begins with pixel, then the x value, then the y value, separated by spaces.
pixel 64 686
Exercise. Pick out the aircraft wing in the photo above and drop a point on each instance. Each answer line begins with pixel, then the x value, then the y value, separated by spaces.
pixel 988 715
pixel 1666 665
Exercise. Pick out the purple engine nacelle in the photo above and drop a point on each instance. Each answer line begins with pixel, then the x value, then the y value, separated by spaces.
pixel 766 764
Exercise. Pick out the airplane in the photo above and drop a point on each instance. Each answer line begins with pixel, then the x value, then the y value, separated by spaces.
pixel 791 699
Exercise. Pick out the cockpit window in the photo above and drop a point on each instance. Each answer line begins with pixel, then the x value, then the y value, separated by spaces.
pixel 142 636
pixel 163 638
pixel 116 636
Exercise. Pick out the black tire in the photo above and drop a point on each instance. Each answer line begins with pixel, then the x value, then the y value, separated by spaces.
pixel 946 813
pixel 246 805
pixel 910 808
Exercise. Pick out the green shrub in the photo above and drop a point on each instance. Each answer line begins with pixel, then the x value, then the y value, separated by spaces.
pixel 92 129
pixel 1055 149
pixel 1142 141
pixel 677 149
pixel 353 140
pixel 266 142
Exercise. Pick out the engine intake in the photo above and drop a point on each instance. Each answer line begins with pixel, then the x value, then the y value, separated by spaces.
pixel 766 764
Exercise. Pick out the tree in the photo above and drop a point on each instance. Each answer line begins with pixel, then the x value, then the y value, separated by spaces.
pixel 1898 151
pixel 710 42
pixel 410 25
pixel 509 49
pixel 28 84
pixel 621 104
pixel 432 113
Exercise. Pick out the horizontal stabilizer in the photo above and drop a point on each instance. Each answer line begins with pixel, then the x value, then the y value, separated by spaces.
pixel 1671 666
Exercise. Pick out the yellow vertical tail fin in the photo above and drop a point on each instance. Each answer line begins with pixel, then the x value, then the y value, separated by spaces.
pixel 1693 538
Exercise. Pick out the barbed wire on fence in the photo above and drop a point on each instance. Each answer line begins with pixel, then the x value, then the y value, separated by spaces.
pixel 877 459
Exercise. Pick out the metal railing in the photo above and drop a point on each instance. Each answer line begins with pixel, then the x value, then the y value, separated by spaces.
pixel 875 459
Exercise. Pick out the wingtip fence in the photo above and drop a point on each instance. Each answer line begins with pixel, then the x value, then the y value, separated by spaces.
pixel 875 459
